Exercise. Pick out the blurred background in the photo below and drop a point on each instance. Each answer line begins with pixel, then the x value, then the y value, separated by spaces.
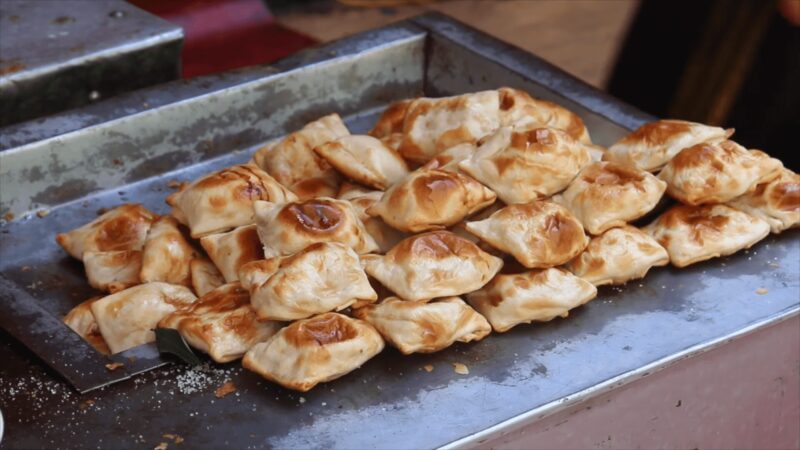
pixel 729 63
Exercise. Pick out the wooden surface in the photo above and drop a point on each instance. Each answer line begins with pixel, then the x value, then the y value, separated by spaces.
pixel 580 36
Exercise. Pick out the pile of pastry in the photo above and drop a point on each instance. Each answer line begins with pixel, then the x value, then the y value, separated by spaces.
pixel 454 217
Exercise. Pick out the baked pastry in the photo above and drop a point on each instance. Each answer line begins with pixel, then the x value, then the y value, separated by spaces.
pixel 540 295
pixel 385 236
pixel 294 164
pixel 224 200
pixel 519 109
pixel 716 172
pixel 113 271
pixel 696 233
pixel 653 144
pixel 364 159
pixel 431 199
pixel 416 327
pixel 81 320
pixel 433 264
pixel 431 125
pixel 776 201
pixel 315 350
pixel 122 228
pixel 167 254
pixel 229 251
pixel 325 276
pixel 607 195
pixel 127 318
pixel 539 234
pixel 205 276
pixel 617 256
pixel 221 323
pixel 287 228
pixel 522 166
pixel 391 120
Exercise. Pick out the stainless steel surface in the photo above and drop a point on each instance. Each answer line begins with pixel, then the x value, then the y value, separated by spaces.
pixel 391 401
pixel 61 54
pixel 744 394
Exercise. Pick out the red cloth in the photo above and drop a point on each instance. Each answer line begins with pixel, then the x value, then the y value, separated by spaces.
pixel 221 35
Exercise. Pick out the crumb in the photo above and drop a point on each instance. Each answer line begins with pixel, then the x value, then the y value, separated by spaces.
pixel 131 359
pixel 428 368
pixel 114 366
pixel 86 404
pixel 9 217
pixel 302 400
pixel 762 291
pixel 26 268
pixel 42 213
pixel 161 446
pixel 774 265
pixel 102 211
pixel 117 162
pixel 460 369
pixel 175 184
pixel 174 437
pixel 225 389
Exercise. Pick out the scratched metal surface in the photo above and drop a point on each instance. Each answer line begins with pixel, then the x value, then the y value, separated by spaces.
pixel 55 53
pixel 392 401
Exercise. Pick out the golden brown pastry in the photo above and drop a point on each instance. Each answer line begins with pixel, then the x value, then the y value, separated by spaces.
pixel 229 251
pixel 449 159
pixel 654 144
pixel 431 125
pixel 607 195
pixel 391 120
pixel 221 323
pixel 716 173
pixel 431 265
pixel 224 200
pixel 315 350
pixel 325 276
pixel 539 234
pixel 364 159
pixel 385 236
pixel 294 164
pixel 617 256
pixel 127 318
pixel 113 271
pixel 431 199
pixel 81 320
pixel 416 327
pixel 696 233
pixel 167 254
pixel 205 276
pixel 521 166
pixel 287 228
pixel 122 228
pixel 540 295
pixel 519 109
pixel 776 201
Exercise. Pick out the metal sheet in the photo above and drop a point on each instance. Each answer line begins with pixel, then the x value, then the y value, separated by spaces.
pixel 61 54
pixel 391 401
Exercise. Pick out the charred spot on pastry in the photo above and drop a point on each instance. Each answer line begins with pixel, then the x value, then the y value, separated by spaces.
pixel 325 329
pixel 613 175
pixel 119 232
pixel 525 139
pixel 315 215
pixel 696 156
pixel 786 196
pixel 657 132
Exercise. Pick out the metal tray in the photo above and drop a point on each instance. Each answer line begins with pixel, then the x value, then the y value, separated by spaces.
pixel 62 54
pixel 123 150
